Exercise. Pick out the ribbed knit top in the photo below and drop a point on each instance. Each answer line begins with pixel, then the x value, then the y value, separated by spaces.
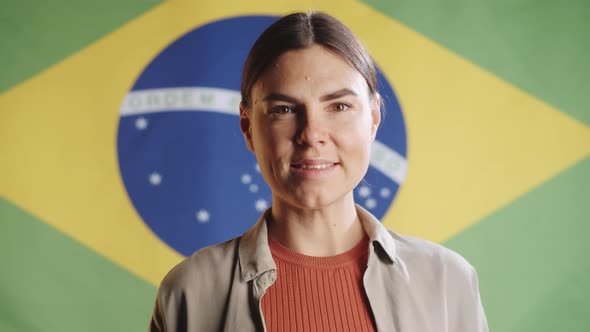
pixel 318 293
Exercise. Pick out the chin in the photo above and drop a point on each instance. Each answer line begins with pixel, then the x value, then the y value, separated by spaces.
pixel 318 201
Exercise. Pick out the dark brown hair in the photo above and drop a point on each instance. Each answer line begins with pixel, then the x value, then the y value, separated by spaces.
pixel 301 30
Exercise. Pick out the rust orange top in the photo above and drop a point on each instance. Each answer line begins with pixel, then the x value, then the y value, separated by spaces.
pixel 318 293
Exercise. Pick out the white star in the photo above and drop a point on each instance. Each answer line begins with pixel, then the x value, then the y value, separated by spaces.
pixel 257 168
pixel 246 178
pixel 155 179
pixel 253 188
pixel 141 123
pixel 371 203
pixel 203 216
pixel 385 192
pixel 261 205
pixel 364 191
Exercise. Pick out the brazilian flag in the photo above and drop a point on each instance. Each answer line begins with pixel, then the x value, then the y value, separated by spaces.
pixel 494 97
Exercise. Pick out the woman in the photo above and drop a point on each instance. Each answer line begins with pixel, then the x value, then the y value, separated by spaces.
pixel 315 260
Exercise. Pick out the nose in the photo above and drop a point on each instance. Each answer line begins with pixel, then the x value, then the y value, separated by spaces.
pixel 312 129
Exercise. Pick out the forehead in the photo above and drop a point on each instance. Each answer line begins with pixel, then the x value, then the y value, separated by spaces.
pixel 309 72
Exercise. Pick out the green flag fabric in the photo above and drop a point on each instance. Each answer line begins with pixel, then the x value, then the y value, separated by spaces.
pixel 486 149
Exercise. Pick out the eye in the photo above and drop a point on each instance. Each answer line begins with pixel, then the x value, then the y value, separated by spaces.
pixel 340 107
pixel 282 109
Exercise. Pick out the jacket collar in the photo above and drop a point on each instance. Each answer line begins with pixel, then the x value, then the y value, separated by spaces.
pixel 254 252
pixel 377 233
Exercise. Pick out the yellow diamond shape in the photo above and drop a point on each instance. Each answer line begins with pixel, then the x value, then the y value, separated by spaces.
pixel 475 142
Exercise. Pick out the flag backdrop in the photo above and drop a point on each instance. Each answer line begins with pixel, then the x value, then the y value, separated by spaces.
pixel 119 142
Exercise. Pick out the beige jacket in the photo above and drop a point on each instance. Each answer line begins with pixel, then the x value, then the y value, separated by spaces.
pixel 412 285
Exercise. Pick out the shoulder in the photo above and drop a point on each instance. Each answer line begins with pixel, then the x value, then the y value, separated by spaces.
pixel 213 264
pixel 197 285
pixel 427 256
pixel 440 278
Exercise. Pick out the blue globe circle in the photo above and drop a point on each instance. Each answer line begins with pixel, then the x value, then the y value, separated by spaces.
pixel 182 156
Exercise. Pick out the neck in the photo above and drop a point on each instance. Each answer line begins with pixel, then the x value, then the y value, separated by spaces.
pixel 325 231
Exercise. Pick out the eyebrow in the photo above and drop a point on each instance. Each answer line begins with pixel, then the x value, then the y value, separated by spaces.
pixel 274 96
pixel 338 94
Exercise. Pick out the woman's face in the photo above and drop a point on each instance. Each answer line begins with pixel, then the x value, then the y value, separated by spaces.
pixel 310 124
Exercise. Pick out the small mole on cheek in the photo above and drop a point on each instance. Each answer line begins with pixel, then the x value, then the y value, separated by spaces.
pixel 307 78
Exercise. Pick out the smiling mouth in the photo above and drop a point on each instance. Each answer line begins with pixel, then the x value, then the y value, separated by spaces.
pixel 313 166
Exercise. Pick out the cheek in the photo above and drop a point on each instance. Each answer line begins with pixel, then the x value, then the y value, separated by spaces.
pixel 362 148
pixel 357 127
pixel 356 140
pixel 272 141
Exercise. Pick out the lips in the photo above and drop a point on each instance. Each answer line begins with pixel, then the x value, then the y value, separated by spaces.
pixel 313 164
pixel 313 168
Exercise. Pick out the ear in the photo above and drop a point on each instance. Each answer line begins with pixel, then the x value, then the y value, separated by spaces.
pixel 375 115
pixel 245 126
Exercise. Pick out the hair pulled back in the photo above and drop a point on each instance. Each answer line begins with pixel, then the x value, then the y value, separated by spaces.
pixel 301 30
